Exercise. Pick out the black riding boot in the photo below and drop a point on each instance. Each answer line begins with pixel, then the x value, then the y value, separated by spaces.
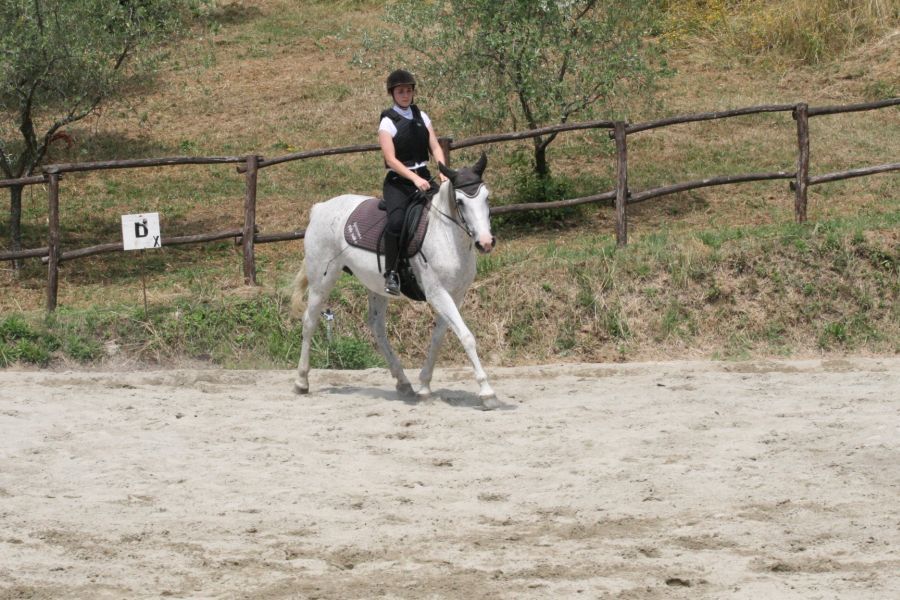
pixel 391 253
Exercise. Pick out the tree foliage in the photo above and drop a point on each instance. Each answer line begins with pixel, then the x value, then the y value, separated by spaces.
pixel 528 62
pixel 60 59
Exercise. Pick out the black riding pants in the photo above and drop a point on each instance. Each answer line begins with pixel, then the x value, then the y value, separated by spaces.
pixel 398 194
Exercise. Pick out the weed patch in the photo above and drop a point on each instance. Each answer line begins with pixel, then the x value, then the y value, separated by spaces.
pixel 21 341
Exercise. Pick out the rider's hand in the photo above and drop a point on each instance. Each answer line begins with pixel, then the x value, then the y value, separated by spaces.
pixel 422 184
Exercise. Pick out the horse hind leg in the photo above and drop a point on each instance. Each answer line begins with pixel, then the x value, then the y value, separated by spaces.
pixel 301 284
pixel 437 339
pixel 376 322
pixel 319 289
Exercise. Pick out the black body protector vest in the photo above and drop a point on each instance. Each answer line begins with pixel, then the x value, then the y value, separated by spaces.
pixel 411 141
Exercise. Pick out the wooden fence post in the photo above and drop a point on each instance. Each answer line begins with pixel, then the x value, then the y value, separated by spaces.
pixel 53 242
pixel 621 183
pixel 801 183
pixel 445 146
pixel 250 220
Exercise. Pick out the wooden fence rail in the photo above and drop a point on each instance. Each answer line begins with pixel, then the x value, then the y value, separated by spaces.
pixel 139 163
pixel 235 234
pixel 711 116
pixel 7 183
pixel 621 197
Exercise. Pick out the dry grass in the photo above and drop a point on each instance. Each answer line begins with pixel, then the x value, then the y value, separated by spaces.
pixel 782 31
pixel 277 77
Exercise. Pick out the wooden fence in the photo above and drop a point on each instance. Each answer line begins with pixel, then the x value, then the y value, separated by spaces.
pixel 250 165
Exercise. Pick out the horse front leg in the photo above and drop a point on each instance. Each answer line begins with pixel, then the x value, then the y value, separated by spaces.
pixel 446 309
pixel 376 321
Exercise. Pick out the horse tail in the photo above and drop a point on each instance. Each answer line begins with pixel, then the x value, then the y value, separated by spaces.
pixel 301 283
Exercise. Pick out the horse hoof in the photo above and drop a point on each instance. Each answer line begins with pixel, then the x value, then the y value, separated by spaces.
pixel 405 390
pixel 490 402
pixel 300 388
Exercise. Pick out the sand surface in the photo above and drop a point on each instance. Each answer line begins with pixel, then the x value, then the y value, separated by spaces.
pixel 755 480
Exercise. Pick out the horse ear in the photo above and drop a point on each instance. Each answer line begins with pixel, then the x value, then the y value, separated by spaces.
pixel 447 171
pixel 481 165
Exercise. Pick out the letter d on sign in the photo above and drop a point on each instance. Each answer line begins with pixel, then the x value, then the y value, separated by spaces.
pixel 140 232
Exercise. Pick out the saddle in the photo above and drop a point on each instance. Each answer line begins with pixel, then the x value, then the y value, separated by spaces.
pixel 365 229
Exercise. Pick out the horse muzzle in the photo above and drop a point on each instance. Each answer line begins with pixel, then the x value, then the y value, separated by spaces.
pixel 487 246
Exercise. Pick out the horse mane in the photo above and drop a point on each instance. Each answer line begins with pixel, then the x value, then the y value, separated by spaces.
pixel 442 199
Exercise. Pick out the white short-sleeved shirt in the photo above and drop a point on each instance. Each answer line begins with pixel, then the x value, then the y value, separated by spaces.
pixel 407 113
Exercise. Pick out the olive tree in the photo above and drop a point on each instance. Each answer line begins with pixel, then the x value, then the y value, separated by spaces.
pixel 59 61
pixel 527 62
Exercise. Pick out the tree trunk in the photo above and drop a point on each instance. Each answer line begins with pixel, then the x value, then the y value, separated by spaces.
pixel 15 223
pixel 541 168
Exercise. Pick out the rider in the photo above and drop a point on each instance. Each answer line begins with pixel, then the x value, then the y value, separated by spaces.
pixel 406 136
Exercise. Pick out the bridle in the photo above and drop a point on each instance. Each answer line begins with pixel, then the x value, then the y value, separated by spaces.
pixel 460 219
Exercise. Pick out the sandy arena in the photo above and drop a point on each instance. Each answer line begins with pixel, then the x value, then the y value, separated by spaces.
pixel 755 480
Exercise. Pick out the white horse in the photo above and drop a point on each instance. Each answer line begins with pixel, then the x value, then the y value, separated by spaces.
pixel 459 223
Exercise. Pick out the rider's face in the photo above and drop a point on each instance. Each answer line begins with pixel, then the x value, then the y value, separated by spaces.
pixel 403 95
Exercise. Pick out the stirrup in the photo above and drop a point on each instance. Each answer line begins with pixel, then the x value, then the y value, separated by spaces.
pixel 392 283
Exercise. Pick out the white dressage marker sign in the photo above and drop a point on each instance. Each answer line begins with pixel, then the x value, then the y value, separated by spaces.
pixel 140 232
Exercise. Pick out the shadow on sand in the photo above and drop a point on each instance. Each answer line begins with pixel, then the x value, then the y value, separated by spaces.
pixel 455 398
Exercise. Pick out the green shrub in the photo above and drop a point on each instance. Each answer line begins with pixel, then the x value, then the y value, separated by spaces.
pixel 14 327
pixel 30 351
pixel 344 352
pixel 7 354
pixel 834 333
pixel 82 349
pixel 528 187
pixel 20 341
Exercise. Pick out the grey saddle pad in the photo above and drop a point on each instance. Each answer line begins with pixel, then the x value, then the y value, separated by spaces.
pixel 366 224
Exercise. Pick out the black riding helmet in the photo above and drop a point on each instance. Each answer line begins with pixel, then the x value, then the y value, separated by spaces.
pixel 400 77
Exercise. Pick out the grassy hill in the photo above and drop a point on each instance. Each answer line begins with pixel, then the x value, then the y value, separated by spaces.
pixel 719 272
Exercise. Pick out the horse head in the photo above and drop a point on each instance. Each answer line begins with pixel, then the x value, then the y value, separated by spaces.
pixel 471 195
